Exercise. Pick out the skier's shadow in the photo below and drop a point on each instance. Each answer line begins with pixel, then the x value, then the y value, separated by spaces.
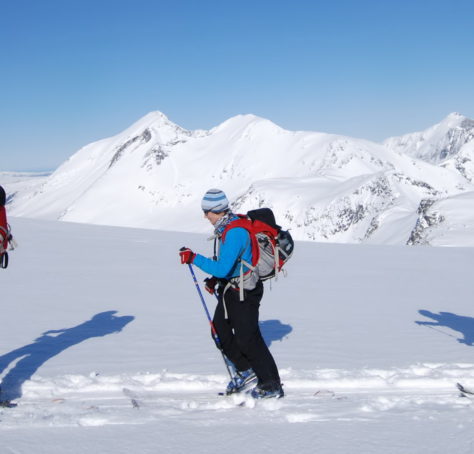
pixel 274 330
pixel 459 323
pixel 31 357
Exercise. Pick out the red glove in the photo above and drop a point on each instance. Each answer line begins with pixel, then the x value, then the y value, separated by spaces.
pixel 187 256
pixel 210 284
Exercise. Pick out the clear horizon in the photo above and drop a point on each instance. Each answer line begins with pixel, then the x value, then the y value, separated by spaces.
pixel 77 72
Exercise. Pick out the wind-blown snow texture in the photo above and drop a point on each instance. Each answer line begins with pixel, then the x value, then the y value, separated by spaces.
pixel 106 348
pixel 415 189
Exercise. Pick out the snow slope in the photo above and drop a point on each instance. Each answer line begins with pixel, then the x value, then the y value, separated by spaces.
pixel 105 347
pixel 22 182
pixel 325 187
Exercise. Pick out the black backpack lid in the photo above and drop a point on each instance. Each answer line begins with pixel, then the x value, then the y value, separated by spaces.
pixel 265 215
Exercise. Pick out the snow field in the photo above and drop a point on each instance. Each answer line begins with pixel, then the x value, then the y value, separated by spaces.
pixel 107 349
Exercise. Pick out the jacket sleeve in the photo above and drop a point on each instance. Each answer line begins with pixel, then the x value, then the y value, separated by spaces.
pixel 236 244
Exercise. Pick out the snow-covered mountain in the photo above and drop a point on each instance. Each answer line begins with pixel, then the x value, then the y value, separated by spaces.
pixel 324 187
pixel 437 144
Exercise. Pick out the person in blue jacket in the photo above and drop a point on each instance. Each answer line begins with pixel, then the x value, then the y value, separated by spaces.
pixel 236 315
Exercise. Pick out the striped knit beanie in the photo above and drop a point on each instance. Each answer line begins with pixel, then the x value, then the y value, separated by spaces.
pixel 215 200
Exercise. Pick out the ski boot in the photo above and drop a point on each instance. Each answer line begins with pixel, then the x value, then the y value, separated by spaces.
pixel 240 381
pixel 263 392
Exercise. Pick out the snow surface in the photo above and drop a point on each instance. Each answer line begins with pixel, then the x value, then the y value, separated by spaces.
pixel 106 349
pixel 325 187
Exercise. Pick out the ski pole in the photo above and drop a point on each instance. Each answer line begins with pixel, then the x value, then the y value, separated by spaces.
pixel 215 336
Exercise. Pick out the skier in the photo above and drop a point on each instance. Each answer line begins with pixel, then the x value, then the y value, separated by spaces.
pixel 236 321
pixel 5 236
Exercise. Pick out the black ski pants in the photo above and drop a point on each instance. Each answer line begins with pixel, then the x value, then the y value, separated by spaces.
pixel 240 335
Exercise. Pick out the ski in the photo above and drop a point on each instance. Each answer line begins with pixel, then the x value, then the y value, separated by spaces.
pixel 239 399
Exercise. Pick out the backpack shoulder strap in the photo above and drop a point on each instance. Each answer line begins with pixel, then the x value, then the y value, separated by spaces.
pixel 242 221
pixel 246 224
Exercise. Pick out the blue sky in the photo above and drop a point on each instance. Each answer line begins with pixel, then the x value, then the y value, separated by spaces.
pixel 75 71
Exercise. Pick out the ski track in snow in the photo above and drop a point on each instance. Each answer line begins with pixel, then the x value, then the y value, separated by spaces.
pixel 418 391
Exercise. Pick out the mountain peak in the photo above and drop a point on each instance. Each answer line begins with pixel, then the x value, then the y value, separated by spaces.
pixel 247 123
pixel 437 143
pixel 455 115
pixel 155 118
pixel 453 120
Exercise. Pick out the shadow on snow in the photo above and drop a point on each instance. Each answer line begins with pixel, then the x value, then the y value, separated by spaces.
pixel 31 357
pixel 459 323
pixel 274 330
